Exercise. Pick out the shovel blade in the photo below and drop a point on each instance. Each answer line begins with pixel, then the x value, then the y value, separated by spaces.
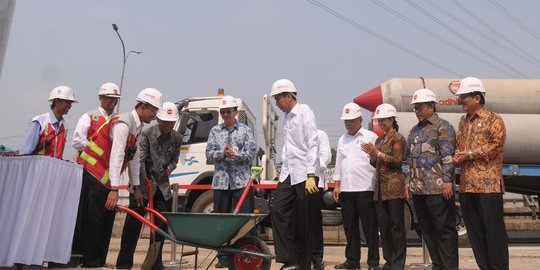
pixel 152 253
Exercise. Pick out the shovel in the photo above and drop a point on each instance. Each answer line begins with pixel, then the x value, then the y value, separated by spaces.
pixel 255 171
pixel 153 249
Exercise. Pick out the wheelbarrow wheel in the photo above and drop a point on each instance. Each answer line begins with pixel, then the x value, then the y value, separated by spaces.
pixel 238 261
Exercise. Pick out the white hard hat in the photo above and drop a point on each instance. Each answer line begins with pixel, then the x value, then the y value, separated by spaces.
pixel 62 92
pixel 282 86
pixel 109 90
pixel 227 102
pixel 469 85
pixel 385 110
pixel 351 111
pixel 169 112
pixel 423 95
pixel 151 96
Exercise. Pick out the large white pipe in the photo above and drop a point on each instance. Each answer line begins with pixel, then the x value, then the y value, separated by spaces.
pixel 522 144
pixel 508 96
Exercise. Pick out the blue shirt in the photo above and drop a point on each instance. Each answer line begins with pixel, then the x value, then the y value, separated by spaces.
pixel 231 173
pixel 31 137
pixel 428 156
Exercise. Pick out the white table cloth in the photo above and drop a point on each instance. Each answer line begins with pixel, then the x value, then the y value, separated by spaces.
pixel 39 197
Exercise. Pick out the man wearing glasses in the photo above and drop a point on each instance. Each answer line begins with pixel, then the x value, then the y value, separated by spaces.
pixel 480 143
pixel 232 148
pixel 295 207
pixel 430 178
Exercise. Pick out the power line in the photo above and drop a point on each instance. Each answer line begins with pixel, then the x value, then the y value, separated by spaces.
pixel 533 61
pixel 486 25
pixel 511 16
pixel 382 38
pixel 438 37
pixel 447 27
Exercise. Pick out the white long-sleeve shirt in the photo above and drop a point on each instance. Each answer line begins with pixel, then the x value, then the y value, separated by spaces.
pixel 80 135
pixel 352 163
pixel 120 134
pixel 325 156
pixel 300 153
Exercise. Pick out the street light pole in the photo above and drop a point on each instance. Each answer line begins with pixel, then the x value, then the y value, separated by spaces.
pixel 125 56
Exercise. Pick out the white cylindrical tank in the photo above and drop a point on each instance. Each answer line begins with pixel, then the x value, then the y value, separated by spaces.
pixel 508 96
pixel 522 144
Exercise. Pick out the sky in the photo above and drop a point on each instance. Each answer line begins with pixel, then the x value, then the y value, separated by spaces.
pixel 192 48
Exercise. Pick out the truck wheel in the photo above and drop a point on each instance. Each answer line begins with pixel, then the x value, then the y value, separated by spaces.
pixel 241 261
pixel 204 204
pixel 331 217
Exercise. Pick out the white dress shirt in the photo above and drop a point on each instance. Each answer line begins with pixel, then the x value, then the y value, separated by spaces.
pixel 300 153
pixel 352 163
pixel 120 134
pixel 80 136
pixel 325 157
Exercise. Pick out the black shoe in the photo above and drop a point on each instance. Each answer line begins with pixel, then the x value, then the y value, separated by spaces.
pixel 374 268
pixel 222 264
pixel 348 265
pixel 290 266
pixel 318 266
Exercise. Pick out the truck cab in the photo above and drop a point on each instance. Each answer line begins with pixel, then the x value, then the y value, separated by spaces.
pixel 194 173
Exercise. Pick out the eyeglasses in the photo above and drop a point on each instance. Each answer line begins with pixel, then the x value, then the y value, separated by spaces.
pixel 226 111
pixel 278 97
pixel 419 107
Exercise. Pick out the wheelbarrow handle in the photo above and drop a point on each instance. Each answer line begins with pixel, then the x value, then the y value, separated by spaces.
pixel 157 214
pixel 137 216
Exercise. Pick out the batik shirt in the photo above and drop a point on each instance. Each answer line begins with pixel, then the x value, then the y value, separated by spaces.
pixel 429 153
pixel 391 180
pixel 484 134
pixel 231 173
pixel 157 153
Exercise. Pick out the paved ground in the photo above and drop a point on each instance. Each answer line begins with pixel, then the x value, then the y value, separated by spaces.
pixel 522 257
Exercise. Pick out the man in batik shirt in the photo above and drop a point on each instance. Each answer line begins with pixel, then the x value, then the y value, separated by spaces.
pixel 232 148
pixel 480 144
pixel 430 174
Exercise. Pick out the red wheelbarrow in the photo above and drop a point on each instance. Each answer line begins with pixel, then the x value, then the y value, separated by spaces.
pixel 217 231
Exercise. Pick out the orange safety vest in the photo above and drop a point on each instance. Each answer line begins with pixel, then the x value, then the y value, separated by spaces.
pixel 96 120
pixel 96 154
pixel 51 142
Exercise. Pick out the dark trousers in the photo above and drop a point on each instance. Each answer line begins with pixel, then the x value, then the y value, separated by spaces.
pixel 392 226
pixel 356 206
pixel 318 250
pixel 437 220
pixel 293 214
pixel 226 200
pixel 483 216
pixel 94 224
pixel 132 230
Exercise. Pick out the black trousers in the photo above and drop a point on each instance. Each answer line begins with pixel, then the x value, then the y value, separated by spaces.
pixel 483 216
pixel 356 206
pixel 132 230
pixel 226 200
pixel 318 250
pixel 293 214
pixel 392 226
pixel 437 220
pixel 94 224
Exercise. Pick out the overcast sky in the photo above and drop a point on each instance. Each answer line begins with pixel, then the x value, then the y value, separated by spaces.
pixel 191 48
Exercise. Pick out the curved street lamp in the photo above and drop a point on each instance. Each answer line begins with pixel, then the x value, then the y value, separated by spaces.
pixel 125 55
